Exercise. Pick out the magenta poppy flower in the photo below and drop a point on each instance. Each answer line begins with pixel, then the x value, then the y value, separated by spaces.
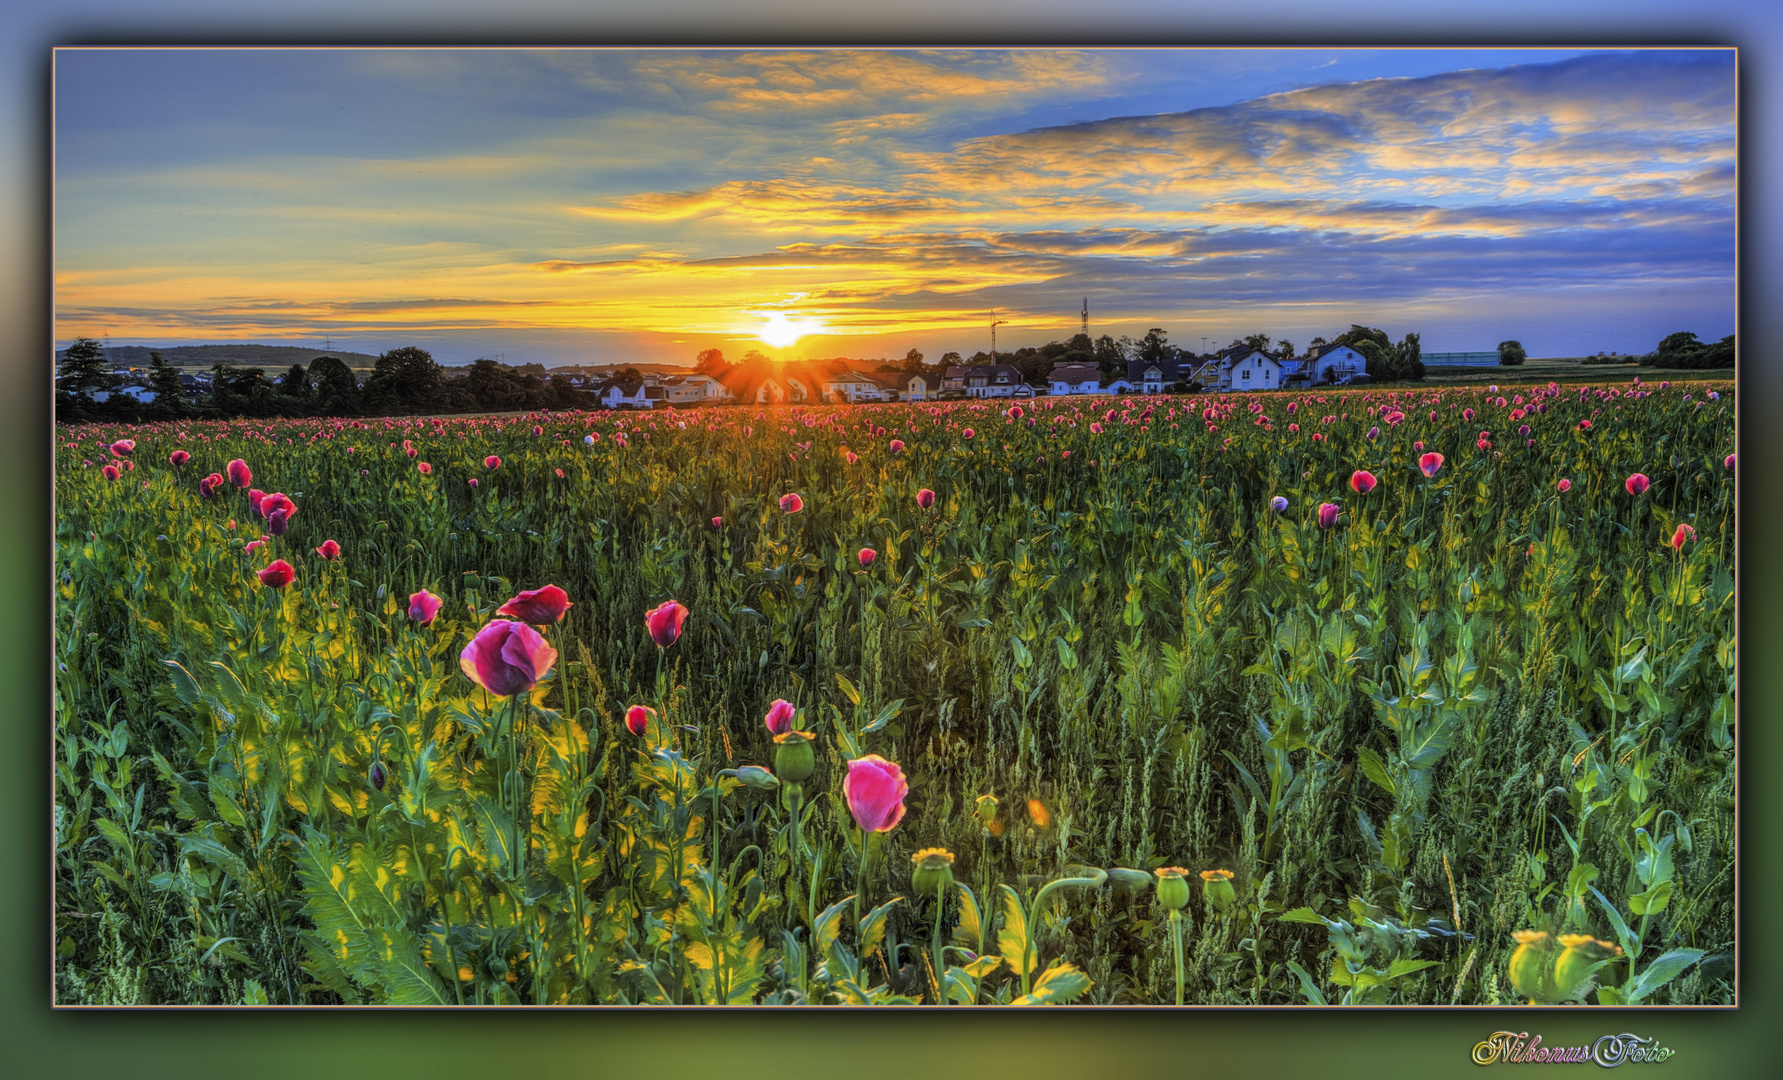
pixel 276 501
pixel 1727 462
pixel 537 606
pixel 258 542
pixel 791 503
pixel 1362 481
pixel 1637 484
pixel 278 522
pixel 278 574
pixel 473 482
pixel 1584 425
pixel 1467 414
pixel 1328 515
pixel 897 446
pixel 1430 463
pixel 507 658
pixel 492 462
pixel 779 718
pixel 664 623
pixel 637 719
pixel 866 556
pixel 110 472
pixel 423 606
pixel 925 498
pixel 1015 412
pixel 424 468
pixel 122 447
pixel 239 473
pixel 1095 427
pixel 1564 485
pixel 179 458
pixel 1682 536
pixel 875 790
pixel 718 523
pixel 968 433
pixel 254 497
pixel 208 486
pixel 851 457
pixel 329 550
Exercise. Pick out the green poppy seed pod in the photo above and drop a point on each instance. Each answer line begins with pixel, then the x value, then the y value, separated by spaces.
pixel 794 757
pixel 934 871
pixel 987 810
pixel 1173 887
pixel 1578 961
pixel 756 777
pixel 1216 886
pixel 1529 970
pixel 378 775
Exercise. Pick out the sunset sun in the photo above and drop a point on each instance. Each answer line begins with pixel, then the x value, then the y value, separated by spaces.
pixel 780 331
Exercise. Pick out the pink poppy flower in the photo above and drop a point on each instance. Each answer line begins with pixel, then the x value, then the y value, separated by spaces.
pixel 664 623
pixel 537 606
pixel 1362 481
pixel 1637 484
pixel 779 718
pixel 492 462
pixel 424 468
pixel 1683 535
pixel 1430 463
pixel 968 433
pixel 637 719
pixel 875 789
pixel 278 522
pixel 791 503
pixel 254 497
pixel 866 556
pixel 179 458
pixel 423 606
pixel 507 658
pixel 123 447
pixel 329 550
pixel 473 482
pixel 718 523
pixel 1584 425
pixel 925 498
pixel 111 472
pixel 278 574
pixel 897 446
pixel 852 457
pixel 1727 463
pixel 1328 515
pixel 276 501
pixel 1564 485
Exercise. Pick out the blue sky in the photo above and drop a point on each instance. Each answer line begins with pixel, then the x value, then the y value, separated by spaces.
pixel 600 205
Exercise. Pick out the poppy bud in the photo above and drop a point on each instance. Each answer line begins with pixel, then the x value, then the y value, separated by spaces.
pixel 1579 961
pixel 934 871
pixel 794 756
pixel 1216 886
pixel 1328 515
pixel 754 776
pixel 925 498
pixel 1682 536
pixel 1727 463
pixel 866 557
pixel 1564 485
pixel 377 775
pixel 637 719
pixel 1173 887
pixel 1132 879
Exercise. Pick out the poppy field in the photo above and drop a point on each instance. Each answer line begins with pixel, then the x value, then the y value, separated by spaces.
pixel 1387 696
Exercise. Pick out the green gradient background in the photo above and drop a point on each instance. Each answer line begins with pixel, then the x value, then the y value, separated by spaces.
pixel 36 1041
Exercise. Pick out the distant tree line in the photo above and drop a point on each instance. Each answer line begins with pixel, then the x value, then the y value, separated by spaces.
pixel 402 381
pixel 1683 350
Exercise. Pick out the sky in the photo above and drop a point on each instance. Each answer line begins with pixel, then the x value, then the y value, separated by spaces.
pixel 599 206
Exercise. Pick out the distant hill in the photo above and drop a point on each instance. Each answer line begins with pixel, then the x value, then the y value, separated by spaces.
pixel 282 356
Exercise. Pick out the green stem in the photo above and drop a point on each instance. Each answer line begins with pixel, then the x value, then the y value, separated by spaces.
pixel 1176 939
pixel 935 944
pixel 861 885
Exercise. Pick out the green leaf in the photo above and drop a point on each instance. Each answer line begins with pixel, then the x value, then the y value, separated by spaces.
pixel 829 926
pixel 1314 995
pixel 1012 940
pixel 1661 971
pixel 886 716
pixel 970 929
pixel 1376 769
pixel 118 837
pixel 1406 967
pixel 1653 901
pixel 851 691
pixel 1303 915
pixel 872 928
pixel 1060 984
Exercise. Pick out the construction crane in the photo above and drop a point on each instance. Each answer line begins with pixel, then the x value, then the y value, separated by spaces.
pixel 995 322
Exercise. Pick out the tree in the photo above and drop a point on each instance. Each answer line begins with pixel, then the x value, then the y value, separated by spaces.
pixel 1258 341
pixel 1315 343
pixel 1510 353
pixel 84 368
pixel 950 359
pixel 164 380
pixel 295 384
pixel 405 380
pixel 1284 349
pixel 710 362
pixel 1154 346
pixel 336 390
pixel 1411 359
pixel 912 362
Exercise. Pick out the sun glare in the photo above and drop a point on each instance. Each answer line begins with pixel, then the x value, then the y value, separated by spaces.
pixel 780 331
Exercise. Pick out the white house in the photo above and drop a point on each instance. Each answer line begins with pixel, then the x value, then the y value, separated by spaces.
pixel 627 393
pixel 1075 379
pixel 1246 368
pixel 909 386
pixel 1329 363
pixel 855 386
pixel 987 380
pixel 687 391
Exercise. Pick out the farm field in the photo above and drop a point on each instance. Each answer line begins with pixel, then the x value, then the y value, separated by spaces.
pixel 1387 696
